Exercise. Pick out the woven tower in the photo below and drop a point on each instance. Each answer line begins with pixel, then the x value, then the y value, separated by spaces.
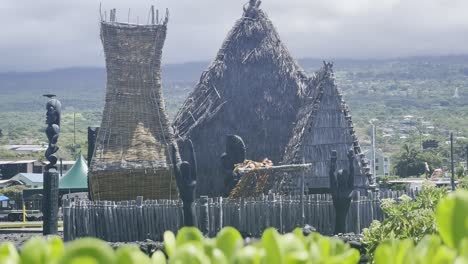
pixel 131 155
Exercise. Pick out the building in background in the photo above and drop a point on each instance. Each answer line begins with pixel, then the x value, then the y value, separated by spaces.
pixel 26 149
pixel 10 168
pixel 382 162
pixel 30 180
pixel 74 181
pixel 8 183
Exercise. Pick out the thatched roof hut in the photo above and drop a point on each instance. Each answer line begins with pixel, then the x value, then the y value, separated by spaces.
pixel 324 124
pixel 131 156
pixel 252 89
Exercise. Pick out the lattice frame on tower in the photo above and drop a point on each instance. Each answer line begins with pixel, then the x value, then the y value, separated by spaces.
pixel 131 156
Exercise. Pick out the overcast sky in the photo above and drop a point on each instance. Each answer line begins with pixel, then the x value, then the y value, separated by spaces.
pixel 45 34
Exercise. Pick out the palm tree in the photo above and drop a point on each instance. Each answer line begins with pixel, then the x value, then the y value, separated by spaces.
pixel 409 163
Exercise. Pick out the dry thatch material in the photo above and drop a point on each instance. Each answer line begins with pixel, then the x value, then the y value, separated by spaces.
pixel 262 180
pixel 132 149
pixel 324 124
pixel 252 89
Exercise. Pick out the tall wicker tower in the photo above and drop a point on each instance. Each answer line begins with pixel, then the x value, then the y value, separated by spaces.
pixel 131 156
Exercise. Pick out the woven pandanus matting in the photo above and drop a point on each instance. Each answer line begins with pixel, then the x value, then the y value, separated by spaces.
pixel 127 185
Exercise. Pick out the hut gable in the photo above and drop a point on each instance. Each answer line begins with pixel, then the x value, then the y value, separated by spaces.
pixel 324 124
pixel 131 155
pixel 253 89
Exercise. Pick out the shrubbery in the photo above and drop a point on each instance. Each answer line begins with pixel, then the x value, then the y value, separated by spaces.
pixel 463 183
pixel 407 218
pixel 410 161
pixel 450 246
pixel 13 192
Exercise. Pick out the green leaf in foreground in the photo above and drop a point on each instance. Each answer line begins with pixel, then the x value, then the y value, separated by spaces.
pixel 298 257
pixel 291 243
pixel 394 252
pixel 189 253
pixel 158 258
pixel 229 240
pixel 461 260
pixel 330 250
pixel 431 250
pixel 56 247
pixel 271 243
pixel 248 255
pixel 8 254
pixel 187 235
pixel 452 218
pixel 218 257
pixel 35 251
pixel 131 254
pixel 88 251
pixel 169 242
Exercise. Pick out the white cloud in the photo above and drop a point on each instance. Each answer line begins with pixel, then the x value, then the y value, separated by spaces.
pixel 39 35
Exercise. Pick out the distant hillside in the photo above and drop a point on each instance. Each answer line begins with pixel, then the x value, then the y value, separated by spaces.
pixel 346 64
pixel 23 90
pixel 382 89
pixel 81 88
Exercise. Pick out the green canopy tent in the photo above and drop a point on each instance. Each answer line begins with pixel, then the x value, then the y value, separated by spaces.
pixel 76 177
pixel 74 181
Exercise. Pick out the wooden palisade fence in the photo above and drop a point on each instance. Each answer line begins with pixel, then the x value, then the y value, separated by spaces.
pixel 139 220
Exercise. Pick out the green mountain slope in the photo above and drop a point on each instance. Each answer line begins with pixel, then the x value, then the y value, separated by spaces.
pixel 383 89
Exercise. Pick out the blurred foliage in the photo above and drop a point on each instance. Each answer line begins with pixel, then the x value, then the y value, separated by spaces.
pixel 189 246
pixel 7 154
pixel 13 192
pixel 406 218
pixel 460 172
pixel 463 183
pixel 449 246
pixel 411 162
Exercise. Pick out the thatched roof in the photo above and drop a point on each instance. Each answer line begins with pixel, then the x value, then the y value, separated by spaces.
pixel 251 89
pixel 276 179
pixel 135 133
pixel 324 124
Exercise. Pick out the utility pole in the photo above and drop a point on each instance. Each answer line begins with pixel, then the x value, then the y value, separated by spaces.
pixel 418 126
pixel 74 129
pixel 452 180
pixel 466 165
pixel 373 151
pixel 420 141
pixel 74 135
pixel 302 195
